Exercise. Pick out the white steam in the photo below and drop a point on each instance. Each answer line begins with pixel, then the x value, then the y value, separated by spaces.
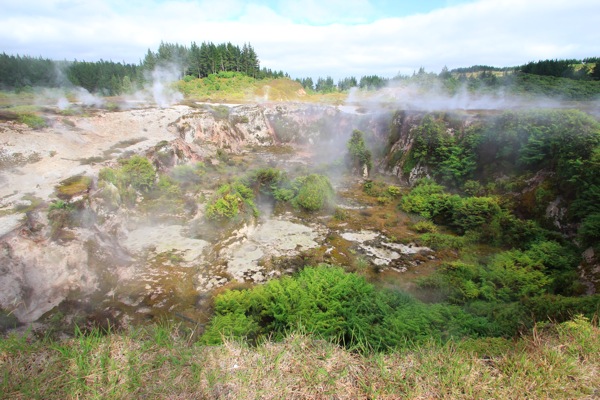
pixel 63 103
pixel 162 90
pixel 159 88
pixel 435 97
pixel 87 99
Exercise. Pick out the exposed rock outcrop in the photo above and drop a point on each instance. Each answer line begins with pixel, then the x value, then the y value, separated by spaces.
pixel 236 127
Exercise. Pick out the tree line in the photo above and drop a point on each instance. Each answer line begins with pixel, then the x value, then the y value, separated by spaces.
pixel 327 84
pixel 113 78
pixel 569 68
pixel 199 61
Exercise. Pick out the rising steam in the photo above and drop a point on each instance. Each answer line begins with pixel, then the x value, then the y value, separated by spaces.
pixel 434 97
pixel 162 90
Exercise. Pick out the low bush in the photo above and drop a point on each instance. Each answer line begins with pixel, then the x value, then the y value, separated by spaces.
pixel 425 227
pixel 230 202
pixel 337 306
pixel 442 241
pixel 138 173
pixel 314 192
pixel 33 121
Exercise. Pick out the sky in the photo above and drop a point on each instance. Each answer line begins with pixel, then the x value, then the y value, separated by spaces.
pixel 316 38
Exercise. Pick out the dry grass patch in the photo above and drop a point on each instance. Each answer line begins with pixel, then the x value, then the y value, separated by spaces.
pixel 161 362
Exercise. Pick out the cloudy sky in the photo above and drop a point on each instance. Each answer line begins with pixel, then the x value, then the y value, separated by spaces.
pixel 311 37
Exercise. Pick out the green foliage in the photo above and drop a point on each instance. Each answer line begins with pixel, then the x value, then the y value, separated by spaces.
pixel 314 192
pixel 442 241
pixel 429 200
pixel 336 306
pixel 381 190
pixel 134 175
pixel 561 308
pixel 266 180
pixel 230 202
pixel 481 215
pixel 75 185
pixel 33 121
pixel 359 154
pixel 284 194
pixel 60 205
pixel 393 191
pixel 138 173
pixel 448 153
pixel 425 226
pixel 508 276
pixel 589 232
pixel 108 175
pixel 473 212
pixel 472 188
pixel 562 141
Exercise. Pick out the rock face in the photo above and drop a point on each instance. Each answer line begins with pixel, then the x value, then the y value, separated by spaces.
pixel 37 274
pixel 590 270
pixel 235 127
pixel 402 134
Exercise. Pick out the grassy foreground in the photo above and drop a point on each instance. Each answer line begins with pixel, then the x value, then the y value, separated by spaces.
pixel 554 361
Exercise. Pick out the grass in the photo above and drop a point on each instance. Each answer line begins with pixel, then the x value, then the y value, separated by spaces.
pixel 74 185
pixel 162 361
pixel 240 88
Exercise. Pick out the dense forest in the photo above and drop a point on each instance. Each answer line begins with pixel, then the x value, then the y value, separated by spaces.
pixel 113 78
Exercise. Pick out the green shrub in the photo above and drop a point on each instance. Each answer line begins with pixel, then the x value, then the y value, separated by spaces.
pixel 393 191
pixel 472 188
pixel 33 121
pixel 473 212
pixel 427 199
pixel 337 306
pixel 60 205
pixel 383 200
pixel 231 201
pixel 284 194
pixel 315 193
pixel 481 216
pixel 265 179
pixel 138 173
pixel 505 229
pixel 442 241
pixel 359 154
pixel 589 232
pixel 561 308
pixel 379 190
pixel 108 175
pixel 425 226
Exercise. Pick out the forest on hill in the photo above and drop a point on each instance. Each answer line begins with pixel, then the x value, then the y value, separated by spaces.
pixel 114 78
pixel 567 79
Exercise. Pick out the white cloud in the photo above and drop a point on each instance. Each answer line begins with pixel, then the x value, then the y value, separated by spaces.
pixel 492 32
pixel 327 11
